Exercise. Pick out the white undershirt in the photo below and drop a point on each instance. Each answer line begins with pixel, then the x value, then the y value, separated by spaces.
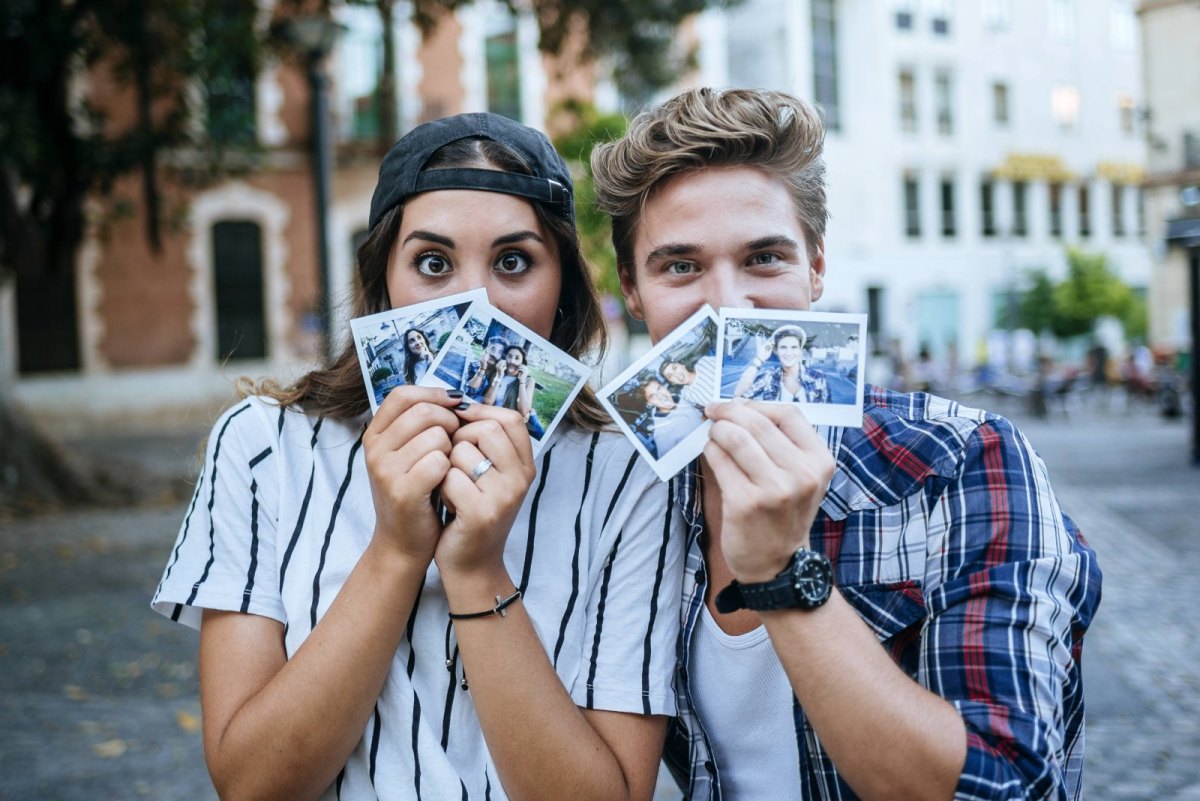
pixel 744 701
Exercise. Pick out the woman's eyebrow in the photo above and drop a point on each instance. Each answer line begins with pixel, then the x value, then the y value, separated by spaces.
pixel 429 236
pixel 518 236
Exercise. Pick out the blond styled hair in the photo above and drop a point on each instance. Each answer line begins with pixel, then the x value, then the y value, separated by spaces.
pixel 772 131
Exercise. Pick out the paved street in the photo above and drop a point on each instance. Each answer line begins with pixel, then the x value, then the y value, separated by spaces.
pixel 98 696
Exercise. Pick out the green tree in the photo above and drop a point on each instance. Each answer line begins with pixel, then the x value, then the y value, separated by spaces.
pixel 1090 291
pixel 586 129
pixel 1036 305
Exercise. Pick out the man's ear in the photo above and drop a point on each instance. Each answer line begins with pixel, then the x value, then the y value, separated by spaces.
pixel 629 288
pixel 816 273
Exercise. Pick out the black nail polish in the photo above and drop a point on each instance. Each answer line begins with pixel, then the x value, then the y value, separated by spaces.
pixel 462 407
pixel 454 394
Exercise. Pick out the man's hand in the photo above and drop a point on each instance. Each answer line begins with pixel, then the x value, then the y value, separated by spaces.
pixel 772 470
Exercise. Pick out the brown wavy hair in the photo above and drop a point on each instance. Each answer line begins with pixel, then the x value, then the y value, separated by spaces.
pixel 773 131
pixel 338 391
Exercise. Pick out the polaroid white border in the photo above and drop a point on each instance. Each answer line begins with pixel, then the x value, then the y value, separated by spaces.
pixel 489 314
pixel 690 446
pixel 833 414
pixel 475 297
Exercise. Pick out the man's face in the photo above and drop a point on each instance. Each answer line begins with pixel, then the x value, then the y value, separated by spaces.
pixel 727 236
pixel 788 350
pixel 676 373
pixel 658 396
pixel 495 349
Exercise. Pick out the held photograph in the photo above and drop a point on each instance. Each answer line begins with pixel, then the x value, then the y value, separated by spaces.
pixel 495 360
pixel 658 401
pixel 815 359
pixel 400 346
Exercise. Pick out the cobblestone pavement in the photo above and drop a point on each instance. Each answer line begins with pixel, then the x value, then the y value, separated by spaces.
pixel 98 695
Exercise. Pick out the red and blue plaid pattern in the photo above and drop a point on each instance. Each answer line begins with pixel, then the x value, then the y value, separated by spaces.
pixel 946 538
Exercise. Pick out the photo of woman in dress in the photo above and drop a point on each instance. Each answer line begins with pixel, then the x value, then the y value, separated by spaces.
pixel 418 355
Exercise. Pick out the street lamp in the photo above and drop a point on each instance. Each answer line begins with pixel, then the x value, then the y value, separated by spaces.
pixel 314 37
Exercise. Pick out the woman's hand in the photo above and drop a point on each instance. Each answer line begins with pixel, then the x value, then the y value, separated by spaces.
pixel 407 448
pixel 484 506
pixel 773 471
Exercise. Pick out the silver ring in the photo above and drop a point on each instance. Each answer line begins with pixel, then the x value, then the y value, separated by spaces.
pixel 480 469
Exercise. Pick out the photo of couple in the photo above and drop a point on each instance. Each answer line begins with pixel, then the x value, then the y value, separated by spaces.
pixel 660 400
pixel 497 363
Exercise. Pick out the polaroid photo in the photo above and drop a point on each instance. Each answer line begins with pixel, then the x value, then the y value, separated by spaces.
pixel 401 346
pixel 814 359
pixel 658 401
pixel 493 359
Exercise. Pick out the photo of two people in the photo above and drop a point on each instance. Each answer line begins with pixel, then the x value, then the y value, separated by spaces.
pixel 497 361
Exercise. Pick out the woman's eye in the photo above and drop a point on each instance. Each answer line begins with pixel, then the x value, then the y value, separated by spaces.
pixel 512 262
pixel 433 264
pixel 680 267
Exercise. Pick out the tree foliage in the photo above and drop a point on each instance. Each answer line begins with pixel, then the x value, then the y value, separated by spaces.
pixel 584 129
pixel 1071 307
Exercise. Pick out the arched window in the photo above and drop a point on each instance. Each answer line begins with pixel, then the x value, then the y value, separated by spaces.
pixel 238 287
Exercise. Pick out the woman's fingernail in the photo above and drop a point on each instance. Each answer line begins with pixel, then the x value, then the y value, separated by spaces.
pixel 454 394
pixel 462 407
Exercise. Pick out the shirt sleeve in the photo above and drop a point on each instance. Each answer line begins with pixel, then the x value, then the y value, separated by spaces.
pixel 632 618
pixel 224 554
pixel 1013 588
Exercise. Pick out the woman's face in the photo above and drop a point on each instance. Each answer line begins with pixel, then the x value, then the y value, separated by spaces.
pixel 676 373
pixel 788 350
pixel 514 358
pixel 416 344
pixel 454 240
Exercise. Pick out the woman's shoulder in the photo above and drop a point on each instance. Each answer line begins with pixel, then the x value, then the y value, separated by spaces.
pixel 263 421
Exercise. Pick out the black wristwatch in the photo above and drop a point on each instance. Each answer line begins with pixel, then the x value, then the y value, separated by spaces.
pixel 805 583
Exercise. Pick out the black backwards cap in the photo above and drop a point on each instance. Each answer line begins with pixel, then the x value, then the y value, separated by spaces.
pixel 400 175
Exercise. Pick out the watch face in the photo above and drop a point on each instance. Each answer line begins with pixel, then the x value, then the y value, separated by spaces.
pixel 812 579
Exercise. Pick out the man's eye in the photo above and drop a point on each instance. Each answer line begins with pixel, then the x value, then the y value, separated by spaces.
pixel 512 262
pixel 765 258
pixel 680 267
pixel 433 264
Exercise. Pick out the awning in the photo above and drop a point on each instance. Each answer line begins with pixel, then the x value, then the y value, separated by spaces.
pixel 1184 232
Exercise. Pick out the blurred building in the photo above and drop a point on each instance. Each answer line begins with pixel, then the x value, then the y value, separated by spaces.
pixel 969 142
pixel 1171 54
pixel 234 291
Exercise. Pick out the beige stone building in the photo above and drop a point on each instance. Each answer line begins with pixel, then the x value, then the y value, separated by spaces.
pixel 1171 52
pixel 136 336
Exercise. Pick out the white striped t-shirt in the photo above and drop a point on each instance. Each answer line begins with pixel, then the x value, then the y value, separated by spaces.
pixel 282 512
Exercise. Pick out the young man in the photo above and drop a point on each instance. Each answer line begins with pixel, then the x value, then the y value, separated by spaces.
pixel 672 421
pixel 931 531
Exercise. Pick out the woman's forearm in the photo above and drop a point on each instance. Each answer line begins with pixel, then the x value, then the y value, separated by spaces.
pixel 542 744
pixel 279 728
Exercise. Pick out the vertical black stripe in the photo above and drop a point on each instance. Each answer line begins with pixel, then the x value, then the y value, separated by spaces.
pixel 412 664
pixel 287 556
pixel 187 520
pixel 487 785
pixel 340 780
pixel 608 568
pixel 253 546
pixel 566 618
pixel 337 506
pixel 279 429
pixel 533 510
pixel 176 612
pixel 375 731
pixel 253 532
pixel 212 497
pixel 452 671
pixel 658 576
pixel 633 457
pixel 464 796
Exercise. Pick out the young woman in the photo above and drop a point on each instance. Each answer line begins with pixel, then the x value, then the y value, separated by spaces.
pixel 513 388
pixel 791 380
pixel 355 643
pixel 418 355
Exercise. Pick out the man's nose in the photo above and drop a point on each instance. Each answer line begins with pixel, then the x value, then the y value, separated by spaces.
pixel 728 287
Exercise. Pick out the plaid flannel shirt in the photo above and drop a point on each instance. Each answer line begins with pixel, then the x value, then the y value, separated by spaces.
pixel 768 385
pixel 947 540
